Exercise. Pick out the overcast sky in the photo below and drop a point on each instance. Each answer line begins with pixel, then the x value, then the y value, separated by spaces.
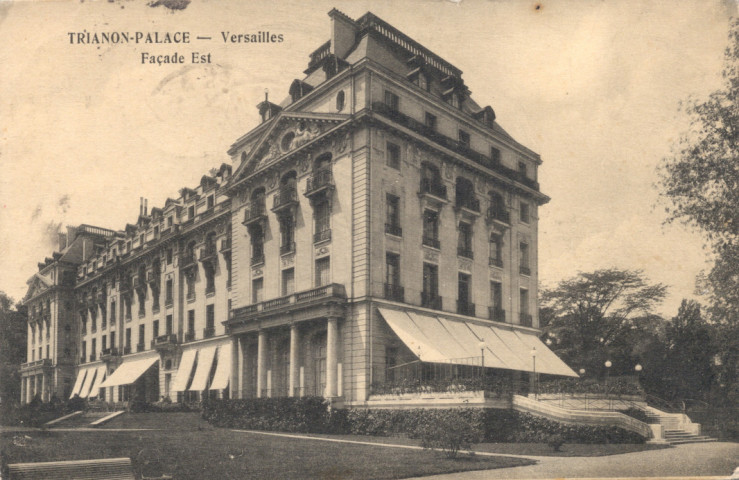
pixel 592 86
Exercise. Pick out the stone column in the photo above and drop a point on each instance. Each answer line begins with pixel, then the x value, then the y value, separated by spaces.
pixel 294 355
pixel 261 362
pixel 331 356
pixel 23 390
pixel 29 390
pixel 43 387
pixel 239 370
pixel 235 381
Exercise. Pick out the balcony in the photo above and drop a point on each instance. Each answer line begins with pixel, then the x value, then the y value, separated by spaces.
pixel 169 301
pixel 189 336
pixel 44 362
pixel 469 203
pixel 431 300
pixel 322 298
pixel 209 332
pixel 289 248
pixel 140 347
pixel 526 319
pixel 394 292
pixel 465 307
pixel 322 181
pixel 254 214
pixel 257 260
pixel 138 283
pixel 285 200
pixel 124 287
pixel 434 188
pixel 495 262
pixel 226 245
pixel 524 270
pixel 465 252
pixel 100 298
pixel 496 314
pixel 208 253
pixel 83 359
pixel 93 357
pixel 498 215
pixel 164 342
pixel 190 296
pixel 109 353
pixel 187 260
pixel 393 229
pixel 323 236
pixel 152 278
pixel 431 242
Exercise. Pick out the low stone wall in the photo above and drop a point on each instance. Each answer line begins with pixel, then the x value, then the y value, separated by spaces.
pixel 591 401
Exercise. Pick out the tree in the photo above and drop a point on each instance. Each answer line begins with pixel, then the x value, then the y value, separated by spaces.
pixel 603 315
pixel 700 183
pixel 12 349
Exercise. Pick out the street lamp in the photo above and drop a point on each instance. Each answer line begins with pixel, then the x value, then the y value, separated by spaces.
pixel 482 346
pixel 536 383
pixel 608 367
pixel 582 371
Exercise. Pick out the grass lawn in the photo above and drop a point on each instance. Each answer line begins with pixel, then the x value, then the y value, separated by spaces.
pixel 220 453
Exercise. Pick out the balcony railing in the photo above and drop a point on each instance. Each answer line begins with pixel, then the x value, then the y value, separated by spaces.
pixel 323 236
pixel 140 347
pixel 226 244
pixel 44 362
pixel 436 189
pixel 465 252
pixel 126 349
pixel 93 357
pixel 83 359
pixel 495 262
pixel 496 314
pixel 526 319
pixel 333 290
pixel 524 270
pixel 189 336
pixel 431 242
pixel 431 300
pixel 394 292
pixel 451 144
pixel 499 215
pixel 288 248
pixel 465 308
pixel 470 203
pixel 257 259
pixel 393 229
pixel 321 181
pixel 208 252
pixel 167 340
pixel 152 278
pixel 253 213
pixel 108 353
pixel 169 301
pixel 188 260
pixel 209 332
pixel 285 198
pixel 190 296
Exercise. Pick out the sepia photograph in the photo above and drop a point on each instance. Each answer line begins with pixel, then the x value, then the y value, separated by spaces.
pixel 369 239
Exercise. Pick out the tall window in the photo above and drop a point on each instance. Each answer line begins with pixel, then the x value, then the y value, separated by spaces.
pixel 287 234
pixel 257 287
pixel 393 156
pixel 464 306
pixel 431 228
pixel 524 211
pixel 322 218
pixel 430 121
pixel 523 249
pixel 257 245
pixel 142 332
pixel 323 271
pixel 170 292
pixel 84 351
pixel 191 323
pixel 464 243
pixel 169 250
pixel 104 343
pixel 524 306
pixel 210 202
pixel 288 281
pixel 392 221
pixel 464 138
pixel 128 338
pixel 391 100
pixel 168 325
pixel 496 301
pixel 494 156
pixel 191 212
pixel 92 350
pixel 210 318
pixel 393 289
pixel 522 169
pixel 496 250
pixel 430 293
pixel 112 340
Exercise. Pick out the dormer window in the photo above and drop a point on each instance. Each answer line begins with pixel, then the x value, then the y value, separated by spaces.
pixel 522 170
pixel 169 221
pixel 494 156
pixel 191 212
pixel 210 201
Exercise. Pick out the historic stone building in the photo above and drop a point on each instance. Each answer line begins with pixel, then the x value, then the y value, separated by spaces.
pixel 377 218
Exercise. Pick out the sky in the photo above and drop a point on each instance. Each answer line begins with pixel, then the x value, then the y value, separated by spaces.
pixel 594 87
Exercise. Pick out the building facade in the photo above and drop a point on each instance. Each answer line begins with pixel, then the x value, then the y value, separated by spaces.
pixel 377 217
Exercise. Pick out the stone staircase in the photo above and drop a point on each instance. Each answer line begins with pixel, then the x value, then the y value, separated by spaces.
pixel 677 427
pixel 83 420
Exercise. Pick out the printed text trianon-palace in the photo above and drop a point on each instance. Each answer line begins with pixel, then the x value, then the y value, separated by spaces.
pixel 377 217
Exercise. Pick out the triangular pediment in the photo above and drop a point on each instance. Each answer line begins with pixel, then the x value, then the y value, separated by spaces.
pixel 37 285
pixel 289 131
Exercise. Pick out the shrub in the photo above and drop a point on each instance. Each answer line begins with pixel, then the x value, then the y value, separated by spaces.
pixel 555 441
pixel 306 414
pixel 449 430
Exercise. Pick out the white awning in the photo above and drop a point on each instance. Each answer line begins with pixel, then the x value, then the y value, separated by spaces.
pixel 81 374
pixel 437 339
pixel 222 376
pixel 202 372
pixel 185 369
pixel 130 370
pixel 99 376
pixel 85 390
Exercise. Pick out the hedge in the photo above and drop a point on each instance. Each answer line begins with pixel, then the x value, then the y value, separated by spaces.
pixel 313 415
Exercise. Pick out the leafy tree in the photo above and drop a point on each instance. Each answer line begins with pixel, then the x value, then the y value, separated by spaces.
pixel 603 315
pixel 699 182
pixel 12 349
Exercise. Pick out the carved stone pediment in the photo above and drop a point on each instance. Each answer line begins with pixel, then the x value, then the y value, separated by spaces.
pixel 37 285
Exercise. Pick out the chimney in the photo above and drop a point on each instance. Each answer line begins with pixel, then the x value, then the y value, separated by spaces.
pixel 343 33
pixel 71 234
pixel 62 241
pixel 146 206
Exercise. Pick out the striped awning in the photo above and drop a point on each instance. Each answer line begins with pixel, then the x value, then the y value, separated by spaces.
pixel 222 377
pixel 130 370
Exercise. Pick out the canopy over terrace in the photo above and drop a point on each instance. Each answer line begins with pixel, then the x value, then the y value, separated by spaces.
pixel 437 339
pixel 130 370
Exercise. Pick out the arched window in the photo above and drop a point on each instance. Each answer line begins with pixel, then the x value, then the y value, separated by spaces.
pixel 465 194
pixel 431 180
pixel 322 162
pixel 497 210
pixel 340 101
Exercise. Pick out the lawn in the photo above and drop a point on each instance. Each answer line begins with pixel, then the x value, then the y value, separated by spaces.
pixel 220 453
